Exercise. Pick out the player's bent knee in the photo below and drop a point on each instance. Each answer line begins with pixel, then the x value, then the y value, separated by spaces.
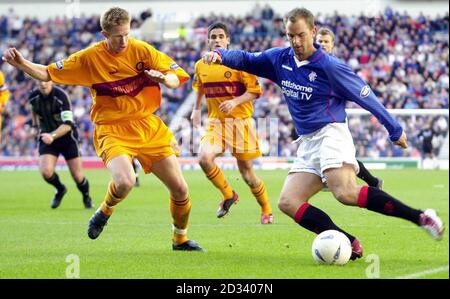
pixel 47 172
pixel 249 177
pixel 286 205
pixel 78 176
pixel 125 183
pixel 246 175
pixel 205 160
pixel 282 205
pixel 180 191
pixel 345 197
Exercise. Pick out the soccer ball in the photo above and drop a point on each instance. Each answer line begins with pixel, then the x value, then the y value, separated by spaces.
pixel 331 247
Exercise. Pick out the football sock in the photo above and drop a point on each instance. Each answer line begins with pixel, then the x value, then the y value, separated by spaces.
pixel 261 196
pixel 54 181
pixel 217 177
pixel 84 187
pixel 316 220
pixel 111 199
pixel 366 176
pixel 379 201
pixel 180 214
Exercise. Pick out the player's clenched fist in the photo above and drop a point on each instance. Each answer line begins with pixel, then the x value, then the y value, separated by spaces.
pixel 212 57
pixel 47 138
pixel 155 76
pixel 227 106
pixel 13 57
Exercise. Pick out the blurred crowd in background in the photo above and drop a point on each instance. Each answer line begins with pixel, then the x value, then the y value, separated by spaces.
pixel 403 58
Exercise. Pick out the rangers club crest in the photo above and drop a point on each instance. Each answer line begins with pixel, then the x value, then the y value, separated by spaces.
pixel 312 76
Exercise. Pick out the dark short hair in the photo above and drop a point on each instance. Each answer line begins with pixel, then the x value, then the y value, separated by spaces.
pixel 218 25
pixel 300 13
pixel 326 31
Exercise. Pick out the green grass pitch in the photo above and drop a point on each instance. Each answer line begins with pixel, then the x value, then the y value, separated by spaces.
pixel 136 243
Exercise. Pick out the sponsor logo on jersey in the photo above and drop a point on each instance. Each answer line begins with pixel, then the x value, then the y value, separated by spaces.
pixel 227 74
pixel 129 86
pixel 292 85
pixel 174 66
pixel 140 66
pixel 224 89
pixel 293 90
pixel 365 91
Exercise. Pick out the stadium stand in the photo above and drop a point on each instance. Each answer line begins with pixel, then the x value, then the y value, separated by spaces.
pixel 404 59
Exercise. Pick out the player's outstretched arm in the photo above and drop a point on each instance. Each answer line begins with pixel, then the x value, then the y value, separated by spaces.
pixel 350 86
pixel 15 58
pixel 260 64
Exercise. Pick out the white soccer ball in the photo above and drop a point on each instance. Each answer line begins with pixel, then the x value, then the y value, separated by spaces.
pixel 331 247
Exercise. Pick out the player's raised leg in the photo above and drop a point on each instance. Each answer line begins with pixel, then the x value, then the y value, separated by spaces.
pixel 342 183
pixel 169 172
pixel 258 189
pixel 207 154
pixel 81 181
pixel 298 188
pixel 47 165
pixel 123 180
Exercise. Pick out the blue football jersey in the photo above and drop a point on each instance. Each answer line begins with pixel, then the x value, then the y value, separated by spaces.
pixel 316 89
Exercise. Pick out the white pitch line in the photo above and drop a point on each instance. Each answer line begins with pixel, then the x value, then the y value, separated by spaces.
pixel 277 225
pixel 423 273
pixel 438 186
pixel 118 223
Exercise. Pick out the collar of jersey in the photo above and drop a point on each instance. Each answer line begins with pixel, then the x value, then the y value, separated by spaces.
pixel 313 58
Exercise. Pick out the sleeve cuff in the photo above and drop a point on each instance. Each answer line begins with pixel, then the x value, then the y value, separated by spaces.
pixel 396 136
pixel 219 51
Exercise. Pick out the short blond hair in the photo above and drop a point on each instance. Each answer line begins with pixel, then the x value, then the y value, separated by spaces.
pixel 115 16
pixel 326 31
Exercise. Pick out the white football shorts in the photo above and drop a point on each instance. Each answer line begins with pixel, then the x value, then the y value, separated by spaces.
pixel 326 148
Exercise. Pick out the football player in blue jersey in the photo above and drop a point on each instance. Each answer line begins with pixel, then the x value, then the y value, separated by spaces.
pixel 325 38
pixel 316 87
